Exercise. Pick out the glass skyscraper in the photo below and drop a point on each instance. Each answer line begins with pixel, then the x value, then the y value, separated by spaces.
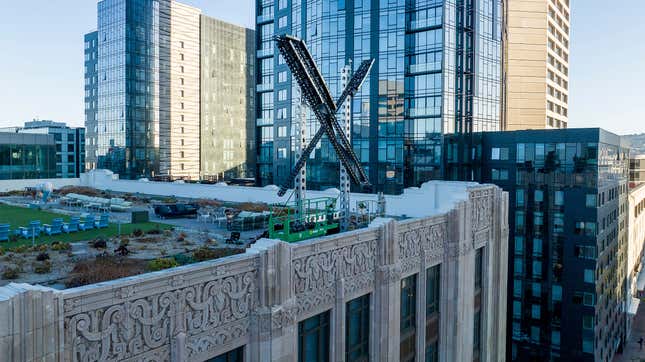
pixel 131 66
pixel 155 106
pixel 437 72
pixel 567 267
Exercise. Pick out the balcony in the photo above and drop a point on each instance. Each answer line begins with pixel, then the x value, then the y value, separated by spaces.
pixel 259 122
pixel 263 19
pixel 265 53
pixel 430 111
pixel 424 68
pixel 264 87
pixel 423 24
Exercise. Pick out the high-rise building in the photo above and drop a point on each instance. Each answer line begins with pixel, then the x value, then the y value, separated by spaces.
pixel 636 241
pixel 636 170
pixel 179 130
pixel 144 96
pixel 67 161
pixel 568 239
pixel 26 155
pixel 91 98
pixel 437 71
pixel 536 64
pixel 227 100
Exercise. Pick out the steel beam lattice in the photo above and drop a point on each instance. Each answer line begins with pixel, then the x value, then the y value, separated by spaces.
pixel 318 98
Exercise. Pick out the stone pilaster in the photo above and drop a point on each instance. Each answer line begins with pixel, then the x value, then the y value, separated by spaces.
pixel 421 307
pixel 338 323
pixel 274 324
pixel 31 324
pixel 387 297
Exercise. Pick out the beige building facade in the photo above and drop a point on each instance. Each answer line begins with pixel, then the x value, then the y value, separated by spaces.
pixel 636 242
pixel 536 51
pixel 227 101
pixel 179 151
pixel 399 288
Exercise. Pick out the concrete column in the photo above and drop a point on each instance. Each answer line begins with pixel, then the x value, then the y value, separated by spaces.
pixel 457 284
pixel 421 309
pixel 274 332
pixel 386 317
pixel 31 324
pixel 338 324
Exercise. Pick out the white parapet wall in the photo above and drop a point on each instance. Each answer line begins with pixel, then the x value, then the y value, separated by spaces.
pixel 256 300
pixel 431 198
pixel 12 185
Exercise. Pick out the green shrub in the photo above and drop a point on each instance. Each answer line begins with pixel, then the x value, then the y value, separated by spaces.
pixel 43 267
pixel 137 232
pixel 42 257
pixel 61 246
pixel 183 259
pixel 161 264
pixel 40 248
pixel 155 231
pixel 20 249
pixel 205 253
pixel 10 273
pixel 99 243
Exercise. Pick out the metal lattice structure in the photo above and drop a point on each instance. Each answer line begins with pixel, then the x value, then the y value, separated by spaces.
pixel 316 95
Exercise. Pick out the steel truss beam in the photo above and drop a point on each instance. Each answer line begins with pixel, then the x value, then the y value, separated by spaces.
pixel 317 96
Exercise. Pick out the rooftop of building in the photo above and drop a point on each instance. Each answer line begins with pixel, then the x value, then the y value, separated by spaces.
pixel 37 126
pixel 432 198
pixel 560 135
pixel 13 138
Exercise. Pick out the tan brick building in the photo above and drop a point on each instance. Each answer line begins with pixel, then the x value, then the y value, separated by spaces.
pixel 537 64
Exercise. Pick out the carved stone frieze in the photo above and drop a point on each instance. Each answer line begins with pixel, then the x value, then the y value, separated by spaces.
pixel 429 239
pixel 482 213
pixel 321 269
pixel 214 309
pixel 390 273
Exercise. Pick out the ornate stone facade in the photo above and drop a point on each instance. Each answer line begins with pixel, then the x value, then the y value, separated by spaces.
pixel 256 299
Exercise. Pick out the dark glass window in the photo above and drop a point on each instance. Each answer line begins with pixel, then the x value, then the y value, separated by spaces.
pixel 236 355
pixel 408 318
pixel 313 339
pixel 357 321
pixel 433 285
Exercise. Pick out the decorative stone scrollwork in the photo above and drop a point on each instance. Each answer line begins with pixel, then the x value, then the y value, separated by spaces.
pixel 318 299
pixel 284 317
pixel 390 273
pixel 125 292
pixel 361 283
pixel 315 275
pixel 431 239
pixel 217 311
pixel 321 270
pixel 209 342
pixel 482 213
pixel 71 304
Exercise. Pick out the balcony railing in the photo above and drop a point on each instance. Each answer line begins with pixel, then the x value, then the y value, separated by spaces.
pixel 425 67
pixel 264 53
pixel 265 87
pixel 425 23
pixel 266 18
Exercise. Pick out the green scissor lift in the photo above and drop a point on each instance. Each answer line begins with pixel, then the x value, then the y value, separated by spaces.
pixel 300 221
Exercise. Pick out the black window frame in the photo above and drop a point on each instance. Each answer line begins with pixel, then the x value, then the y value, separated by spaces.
pixel 360 308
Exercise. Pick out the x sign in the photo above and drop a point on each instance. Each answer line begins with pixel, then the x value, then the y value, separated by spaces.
pixel 318 98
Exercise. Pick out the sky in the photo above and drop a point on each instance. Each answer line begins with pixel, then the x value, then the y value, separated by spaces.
pixel 41 62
